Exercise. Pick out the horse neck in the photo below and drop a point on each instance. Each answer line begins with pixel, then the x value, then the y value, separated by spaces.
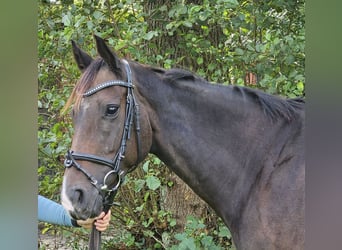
pixel 212 139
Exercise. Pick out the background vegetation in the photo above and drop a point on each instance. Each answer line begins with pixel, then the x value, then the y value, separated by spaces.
pixel 255 43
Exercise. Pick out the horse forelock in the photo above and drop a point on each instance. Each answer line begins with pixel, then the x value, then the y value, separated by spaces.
pixel 84 83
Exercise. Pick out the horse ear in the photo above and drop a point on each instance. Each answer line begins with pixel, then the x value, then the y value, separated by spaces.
pixel 82 59
pixel 107 54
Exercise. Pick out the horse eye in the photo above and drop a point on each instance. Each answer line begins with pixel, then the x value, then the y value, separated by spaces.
pixel 111 109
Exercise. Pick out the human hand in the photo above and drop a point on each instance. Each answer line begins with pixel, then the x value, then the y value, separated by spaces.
pixel 101 222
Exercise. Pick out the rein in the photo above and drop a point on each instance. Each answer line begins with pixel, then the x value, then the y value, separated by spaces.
pixel 131 116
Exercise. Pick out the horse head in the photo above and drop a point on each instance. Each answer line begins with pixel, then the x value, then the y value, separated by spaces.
pixel 112 132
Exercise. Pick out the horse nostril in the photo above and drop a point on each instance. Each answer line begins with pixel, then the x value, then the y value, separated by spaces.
pixel 78 196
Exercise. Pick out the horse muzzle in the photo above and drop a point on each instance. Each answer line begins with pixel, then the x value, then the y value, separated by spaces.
pixel 82 202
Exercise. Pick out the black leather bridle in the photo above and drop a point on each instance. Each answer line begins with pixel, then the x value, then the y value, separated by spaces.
pixel 131 117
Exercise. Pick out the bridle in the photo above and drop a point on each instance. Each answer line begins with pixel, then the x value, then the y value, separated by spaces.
pixel 131 117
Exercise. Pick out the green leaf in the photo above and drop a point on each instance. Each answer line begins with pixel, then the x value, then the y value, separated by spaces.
pixel 150 35
pixel 166 238
pixel 180 236
pixel 153 182
pixel 239 51
pixel 145 166
pixel 187 24
pixel 156 160
pixel 182 9
pixel 173 222
pixel 276 41
pixel 300 86
pixel 147 223
pixel 231 3
pixel 140 208
pixel 66 20
pixel 224 232
pixel 260 48
pixel 147 194
pixel 97 14
pixel 90 25
pixel 139 184
pixel 195 8
pixel 211 66
pixel 268 36
pixel 289 59
pixel 188 244
pixel 204 15
pixel 169 26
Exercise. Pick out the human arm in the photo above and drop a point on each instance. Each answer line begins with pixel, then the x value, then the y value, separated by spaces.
pixel 54 213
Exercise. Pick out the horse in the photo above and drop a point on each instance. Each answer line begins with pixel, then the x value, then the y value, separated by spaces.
pixel 240 149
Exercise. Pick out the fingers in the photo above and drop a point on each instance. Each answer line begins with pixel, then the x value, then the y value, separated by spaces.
pixel 101 215
pixel 101 225
pixel 107 216
pixel 102 222
pixel 85 223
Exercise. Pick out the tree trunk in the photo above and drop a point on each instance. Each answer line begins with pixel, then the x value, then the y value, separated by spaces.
pixel 181 201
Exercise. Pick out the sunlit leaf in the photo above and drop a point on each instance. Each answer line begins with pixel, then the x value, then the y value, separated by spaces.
pixel 152 182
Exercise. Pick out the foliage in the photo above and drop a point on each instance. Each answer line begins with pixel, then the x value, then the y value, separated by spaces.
pixel 196 236
pixel 222 40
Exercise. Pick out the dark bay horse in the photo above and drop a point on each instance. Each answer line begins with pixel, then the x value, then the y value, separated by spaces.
pixel 241 150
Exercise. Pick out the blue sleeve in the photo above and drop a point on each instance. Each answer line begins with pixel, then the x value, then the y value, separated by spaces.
pixel 52 212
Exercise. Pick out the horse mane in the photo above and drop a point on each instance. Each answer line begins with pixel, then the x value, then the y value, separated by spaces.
pixel 174 75
pixel 273 106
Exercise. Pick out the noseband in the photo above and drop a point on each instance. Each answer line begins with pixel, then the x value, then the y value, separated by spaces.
pixel 132 116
